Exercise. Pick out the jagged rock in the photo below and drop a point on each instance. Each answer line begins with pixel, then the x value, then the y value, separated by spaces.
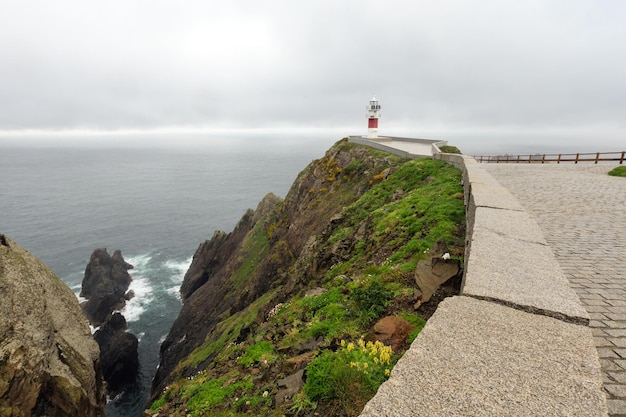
pixel 289 386
pixel 391 331
pixel 206 258
pixel 104 285
pixel 118 353
pixel 49 362
pixel 430 275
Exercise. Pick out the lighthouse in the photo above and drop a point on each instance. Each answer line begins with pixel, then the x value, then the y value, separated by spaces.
pixel 373 112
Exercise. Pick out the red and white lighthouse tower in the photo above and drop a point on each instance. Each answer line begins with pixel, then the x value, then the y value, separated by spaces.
pixel 373 112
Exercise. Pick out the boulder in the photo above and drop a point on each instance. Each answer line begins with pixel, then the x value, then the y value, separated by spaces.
pixel 433 272
pixel 392 331
pixel 49 362
pixel 104 285
pixel 119 359
pixel 289 386
pixel 430 275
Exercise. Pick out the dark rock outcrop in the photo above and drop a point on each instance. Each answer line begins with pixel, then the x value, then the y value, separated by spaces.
pixel 118 353
pixel 49 362
pixel 104 285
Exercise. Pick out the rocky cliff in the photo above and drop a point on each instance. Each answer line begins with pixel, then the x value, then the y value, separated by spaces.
pixel 307 275
pixel 49 362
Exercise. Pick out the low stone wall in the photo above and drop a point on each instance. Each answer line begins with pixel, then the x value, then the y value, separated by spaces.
pixel 515 342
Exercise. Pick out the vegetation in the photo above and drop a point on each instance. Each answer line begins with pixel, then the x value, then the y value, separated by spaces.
pixel 619 171
pixel 449 149
pixel 386 213
pixel 351 374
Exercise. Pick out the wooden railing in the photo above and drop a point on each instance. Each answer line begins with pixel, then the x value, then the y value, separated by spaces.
pixel 594 157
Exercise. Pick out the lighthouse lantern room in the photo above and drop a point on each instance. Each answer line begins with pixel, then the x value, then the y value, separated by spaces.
pixel 373 113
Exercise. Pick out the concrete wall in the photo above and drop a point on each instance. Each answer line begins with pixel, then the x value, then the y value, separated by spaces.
pixel 392 144
pixel 515 342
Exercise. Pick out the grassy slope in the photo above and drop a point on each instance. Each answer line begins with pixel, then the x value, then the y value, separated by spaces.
pixel 371 252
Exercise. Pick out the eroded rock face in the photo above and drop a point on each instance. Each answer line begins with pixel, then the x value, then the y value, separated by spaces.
pixel 118 353
pixel 49 362
pixel 104 285
pixel 432 273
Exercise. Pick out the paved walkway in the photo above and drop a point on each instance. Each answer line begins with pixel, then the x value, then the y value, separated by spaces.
pixel 582 213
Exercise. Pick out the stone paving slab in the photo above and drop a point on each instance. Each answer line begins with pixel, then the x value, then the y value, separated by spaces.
pixel 582 212
pixel 518 224
pixel 517 270
pixel 477 358
pixel 492 195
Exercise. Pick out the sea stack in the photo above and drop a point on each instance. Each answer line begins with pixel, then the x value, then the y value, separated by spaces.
pixel 105 285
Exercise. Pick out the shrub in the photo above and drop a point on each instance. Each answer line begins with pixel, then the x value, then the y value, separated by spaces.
pixel 373 299
pixel 302 403
pixel 352 374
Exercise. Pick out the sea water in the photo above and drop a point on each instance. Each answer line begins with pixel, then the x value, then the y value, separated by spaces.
pixel 156 204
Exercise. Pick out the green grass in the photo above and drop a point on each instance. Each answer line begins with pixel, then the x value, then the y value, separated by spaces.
pixel 254 250
pixel 417 321
pixel 205 394
pixel 429 210
pixel 262 352
pixel 449 149
pixel 618 172
pixel 228 330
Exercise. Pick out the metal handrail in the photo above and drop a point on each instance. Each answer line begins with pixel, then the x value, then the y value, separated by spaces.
pixel 594 157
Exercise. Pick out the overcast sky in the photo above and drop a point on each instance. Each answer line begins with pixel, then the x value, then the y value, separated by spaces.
pixel 439 68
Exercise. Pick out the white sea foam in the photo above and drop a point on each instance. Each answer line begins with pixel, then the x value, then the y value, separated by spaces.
pixel 80 299
pixel 174 291
pixel 179 269
pixel 142 297
pixel 140 262
pixel 140 286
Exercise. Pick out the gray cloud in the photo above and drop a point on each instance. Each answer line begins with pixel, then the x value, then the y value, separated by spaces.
pixel 440 66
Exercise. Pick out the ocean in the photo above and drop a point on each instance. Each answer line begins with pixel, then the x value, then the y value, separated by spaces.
pixel 156 203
